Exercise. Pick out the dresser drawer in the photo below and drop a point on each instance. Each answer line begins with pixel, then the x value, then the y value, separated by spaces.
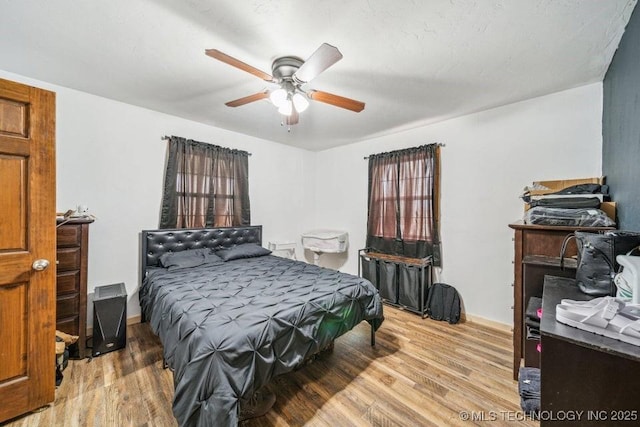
pixel 69 325
pixel 68 235
pixel 68 259
pixel 67 305
pixel 68 282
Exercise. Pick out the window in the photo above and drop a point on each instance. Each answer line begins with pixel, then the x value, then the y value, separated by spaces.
pixel 205 186
pixel 403 202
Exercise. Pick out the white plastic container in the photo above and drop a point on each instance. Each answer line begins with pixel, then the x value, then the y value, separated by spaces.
pixel 283 249
pixel 628 281
pixel 326 241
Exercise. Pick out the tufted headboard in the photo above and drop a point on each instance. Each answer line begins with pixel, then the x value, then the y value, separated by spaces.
pixel 157 242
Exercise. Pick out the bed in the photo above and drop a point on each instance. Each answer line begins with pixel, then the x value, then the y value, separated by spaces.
pixel 228 327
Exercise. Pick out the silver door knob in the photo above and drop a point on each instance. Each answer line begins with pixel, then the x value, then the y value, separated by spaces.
pixel 40 264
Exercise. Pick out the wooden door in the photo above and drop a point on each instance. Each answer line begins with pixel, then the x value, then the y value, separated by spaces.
pixel 27 236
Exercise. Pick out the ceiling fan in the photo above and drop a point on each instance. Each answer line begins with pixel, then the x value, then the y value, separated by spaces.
pixel 291 73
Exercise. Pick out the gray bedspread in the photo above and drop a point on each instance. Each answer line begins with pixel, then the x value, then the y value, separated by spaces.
pixel 228 328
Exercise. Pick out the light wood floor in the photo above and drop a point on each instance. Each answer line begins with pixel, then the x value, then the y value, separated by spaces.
pixel 421 373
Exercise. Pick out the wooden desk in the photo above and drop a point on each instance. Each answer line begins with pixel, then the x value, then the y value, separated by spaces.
pixel 582 371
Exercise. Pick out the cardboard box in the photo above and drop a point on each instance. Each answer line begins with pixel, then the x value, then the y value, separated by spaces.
pixel 609 208
pixel 561 184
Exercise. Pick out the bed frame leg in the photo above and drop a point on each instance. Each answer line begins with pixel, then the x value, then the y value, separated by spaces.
pixel 373 335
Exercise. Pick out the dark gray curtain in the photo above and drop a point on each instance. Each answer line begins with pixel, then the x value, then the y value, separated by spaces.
pixel 204 186
pixel 403 197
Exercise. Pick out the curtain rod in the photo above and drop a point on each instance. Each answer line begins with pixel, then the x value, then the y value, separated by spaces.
pixel 166 138
pixel 439 144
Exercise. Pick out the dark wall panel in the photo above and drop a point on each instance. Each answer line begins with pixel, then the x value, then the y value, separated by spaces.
pixel 621 126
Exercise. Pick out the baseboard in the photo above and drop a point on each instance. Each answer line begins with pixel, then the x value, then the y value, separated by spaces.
pixel 489 323
pixel 134 319
pixel 130 321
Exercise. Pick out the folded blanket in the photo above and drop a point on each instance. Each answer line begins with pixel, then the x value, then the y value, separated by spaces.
pixel 533 333
pixel 529 384
pixel 530 406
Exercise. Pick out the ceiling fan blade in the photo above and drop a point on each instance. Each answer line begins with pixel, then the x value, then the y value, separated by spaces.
pixel 247 99
pixel 324 57
pixel 293 118
pixel 338 101
pixel 215 53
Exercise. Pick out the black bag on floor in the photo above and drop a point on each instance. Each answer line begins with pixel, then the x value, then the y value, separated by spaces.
pixel 597 263
pixel 443 303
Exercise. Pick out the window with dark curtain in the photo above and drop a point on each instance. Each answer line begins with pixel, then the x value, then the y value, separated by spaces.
pixel 403 203
pixel 204 186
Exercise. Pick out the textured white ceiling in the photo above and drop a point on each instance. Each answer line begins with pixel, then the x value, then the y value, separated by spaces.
pixel 411 62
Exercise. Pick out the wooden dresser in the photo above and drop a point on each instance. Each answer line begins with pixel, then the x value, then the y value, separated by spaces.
pixel 529 241
pixel 72 243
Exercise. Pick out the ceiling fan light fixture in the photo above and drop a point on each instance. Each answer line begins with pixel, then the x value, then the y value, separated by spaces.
pixel 300 102
pixel 286 108
pixel 291 73
pixel 278 97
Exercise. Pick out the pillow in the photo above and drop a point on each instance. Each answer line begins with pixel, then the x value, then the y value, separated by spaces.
pixel 212 259
pixel 247 250
pixel 189 258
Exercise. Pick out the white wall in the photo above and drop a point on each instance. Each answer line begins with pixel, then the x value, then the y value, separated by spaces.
pixel 110 157
pixel 489 157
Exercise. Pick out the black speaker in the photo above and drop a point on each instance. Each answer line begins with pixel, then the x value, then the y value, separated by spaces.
pixel 109 318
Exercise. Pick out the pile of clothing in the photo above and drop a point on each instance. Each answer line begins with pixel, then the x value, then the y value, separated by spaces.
pixel 577 205
pixel 529 390
pixel 533 313
pixel 63 341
